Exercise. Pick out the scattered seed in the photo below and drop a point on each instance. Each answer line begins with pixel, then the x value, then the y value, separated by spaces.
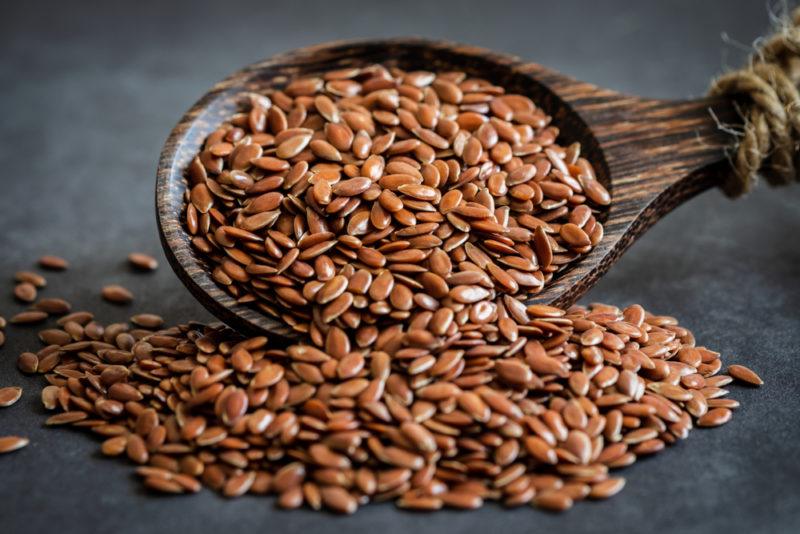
pixel 25 292
pixel 12 443
pixel 53 306
pixel 30 277
pixel 9 395
pixel 28 362
pixel 744 374
pixel 117 294
pixel 29 317
pixel 715 417
pixel 142 262
pixel 53 263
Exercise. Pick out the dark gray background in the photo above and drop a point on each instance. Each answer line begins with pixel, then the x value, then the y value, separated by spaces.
pixel 88 93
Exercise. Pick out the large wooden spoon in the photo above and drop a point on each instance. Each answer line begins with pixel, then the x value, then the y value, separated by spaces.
pixel 652 155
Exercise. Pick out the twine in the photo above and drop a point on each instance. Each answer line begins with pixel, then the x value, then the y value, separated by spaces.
pixel 767 92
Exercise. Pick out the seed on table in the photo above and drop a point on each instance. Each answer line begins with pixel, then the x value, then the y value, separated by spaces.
pixel 553 500
pixel 80 317
pixel 163 485
pixel 715 417
pixel 9 395
pixel 238 485
pixel 50 397
pixel 723 403
pixel 744 374
pixel 28 362
pixel 66 418
pixel 25 292
pixel 291 498
pixel 30 277
pixel 607 488
pixel 462 500
pixel 147 320
pixel 114 446
pixel 3 322
pixel 117 294
pixel 53 306
pixel 29 317
pixel 12 443
pixel 54 336
pixel 420 503
pixel 137 449
pixel 338 500
pixel 53 263
pixel 142 262
pixel 2 337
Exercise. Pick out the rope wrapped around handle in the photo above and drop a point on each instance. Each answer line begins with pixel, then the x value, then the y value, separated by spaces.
pixel 767 92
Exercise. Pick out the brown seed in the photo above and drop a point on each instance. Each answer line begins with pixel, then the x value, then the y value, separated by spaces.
pixel 163 485
pixel 12 443
pixel 744 374
pixel 117 294
pixel 66 418
pixel 36 279
pixel 29 317
pixel 715 417
pixel 25 292
pixel 53 306
pixel 9 395
pixel 28 362
pixel 553 500
pixel 147 320
pixel 136 449
pixel 114 446
pixel 54 263
pixel 338 500
pixel 142 261
pixel 607 488
pixel 462 500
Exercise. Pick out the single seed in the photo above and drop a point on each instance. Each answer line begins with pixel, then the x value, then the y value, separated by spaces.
pixel 53 263
pixel 36 279
pixel 117 294
pixel 715 417
pixel 142 262
pixel 25 292
pixel 744 374
pixel 9 395
pixel 29 317
pixel 12 443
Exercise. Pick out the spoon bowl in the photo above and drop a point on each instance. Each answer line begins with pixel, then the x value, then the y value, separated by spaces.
pixel 651 155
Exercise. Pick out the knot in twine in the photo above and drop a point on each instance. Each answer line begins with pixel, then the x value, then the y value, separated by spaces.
pixel 767 91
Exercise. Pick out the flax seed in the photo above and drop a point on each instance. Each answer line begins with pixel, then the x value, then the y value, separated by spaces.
pixel 142 262
pixel 12 443
pixel 9 395
pixel 117 294
pixel 53 263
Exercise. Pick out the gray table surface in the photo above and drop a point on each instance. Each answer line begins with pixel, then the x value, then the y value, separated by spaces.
pixel 89 93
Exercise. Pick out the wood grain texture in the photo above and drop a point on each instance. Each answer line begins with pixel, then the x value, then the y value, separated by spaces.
pixel 652 155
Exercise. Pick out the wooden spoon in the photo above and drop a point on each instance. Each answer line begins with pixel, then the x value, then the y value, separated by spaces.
pixel 652 155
